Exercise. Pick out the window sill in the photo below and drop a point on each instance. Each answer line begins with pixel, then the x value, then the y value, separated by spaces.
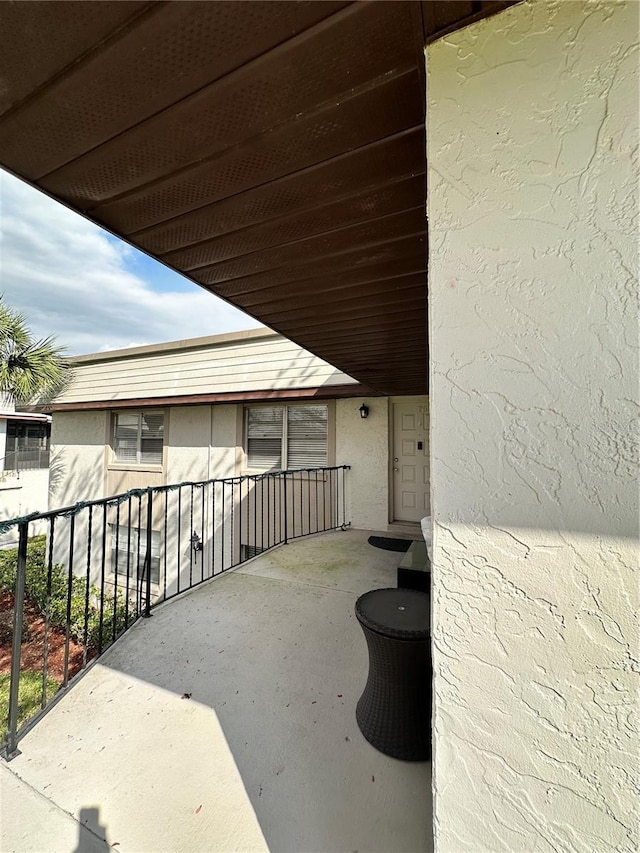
pixel 130 466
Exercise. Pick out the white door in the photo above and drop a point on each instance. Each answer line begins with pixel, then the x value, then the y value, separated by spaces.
pixel 410 468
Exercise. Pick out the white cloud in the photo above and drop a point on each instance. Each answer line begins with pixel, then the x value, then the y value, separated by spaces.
pixel 74 281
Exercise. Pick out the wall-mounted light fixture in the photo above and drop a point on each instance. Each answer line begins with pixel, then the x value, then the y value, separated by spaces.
pixel 196 542
pixel 364 411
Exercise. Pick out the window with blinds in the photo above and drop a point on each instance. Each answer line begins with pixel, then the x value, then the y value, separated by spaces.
pixel 306 436
pixel 138 437
pixel 126 544
pixel 285 437
pixel 264 438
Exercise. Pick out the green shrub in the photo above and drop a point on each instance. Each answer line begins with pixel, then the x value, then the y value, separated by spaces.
pixel 36 593
pixel 6 628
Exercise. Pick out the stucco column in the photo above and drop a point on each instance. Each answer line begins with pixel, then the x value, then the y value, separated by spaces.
pixel 532 124
pixel 3 442
pixel 7 406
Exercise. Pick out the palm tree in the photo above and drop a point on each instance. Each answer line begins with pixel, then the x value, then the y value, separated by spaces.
pixel 30 370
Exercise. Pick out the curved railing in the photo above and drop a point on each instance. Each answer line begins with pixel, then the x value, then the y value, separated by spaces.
pixel 83 574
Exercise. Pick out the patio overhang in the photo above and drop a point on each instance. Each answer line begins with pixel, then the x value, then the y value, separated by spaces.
pixel 272 152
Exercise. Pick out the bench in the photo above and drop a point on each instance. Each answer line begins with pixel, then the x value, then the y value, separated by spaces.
pixel 414 570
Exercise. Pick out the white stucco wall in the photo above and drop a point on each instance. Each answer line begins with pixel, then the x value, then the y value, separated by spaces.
pixel 364 444
pixel 77 468
pixel 227 450
pixel 3 441
pixel 532 124
pixel 20 495
pixel 189 444
pixel 205 442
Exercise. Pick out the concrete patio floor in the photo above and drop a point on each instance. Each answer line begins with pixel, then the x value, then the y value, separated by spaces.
pixel 264 754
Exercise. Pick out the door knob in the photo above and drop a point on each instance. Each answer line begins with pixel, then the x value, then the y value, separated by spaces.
pixel 395 459
pixel 396 469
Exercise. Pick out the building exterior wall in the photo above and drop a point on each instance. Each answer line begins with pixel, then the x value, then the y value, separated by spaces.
pixel 533 200
pixel 207 442
pixel 203 442
pixel 21 494
pixel 3 442
pixel 220 364
pixel 226 455
pixel 200 443
pixel 78 457
pixel 189 443
pixel 364 444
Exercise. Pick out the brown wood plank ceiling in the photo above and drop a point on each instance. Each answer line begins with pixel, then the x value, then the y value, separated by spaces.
pixel 273 152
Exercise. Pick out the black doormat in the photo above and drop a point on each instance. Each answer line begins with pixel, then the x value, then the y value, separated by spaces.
pixel 389 544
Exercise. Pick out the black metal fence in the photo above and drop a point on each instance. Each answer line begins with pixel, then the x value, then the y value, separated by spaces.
pixel 82 575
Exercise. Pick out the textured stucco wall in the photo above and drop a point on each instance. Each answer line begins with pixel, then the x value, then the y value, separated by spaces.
pixel 189 444
pixel 3 441
pixel 77 469
pixel 364 444
pixel 25 492
pixel 20 495
pixel 226 457
pixel 532 125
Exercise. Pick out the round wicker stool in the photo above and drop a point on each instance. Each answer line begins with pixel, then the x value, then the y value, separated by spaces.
pixel 394 712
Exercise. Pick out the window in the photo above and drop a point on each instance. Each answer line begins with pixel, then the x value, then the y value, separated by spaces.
pixel 249 551
pixel 138 437
pixel 26 436
pixel 284 437
pixel 27 446
pixel 124 540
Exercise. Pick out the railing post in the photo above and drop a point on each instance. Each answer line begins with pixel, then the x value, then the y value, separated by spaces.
pixel 18 621
pixel 286 534
pixel 147 606
pixel 344 495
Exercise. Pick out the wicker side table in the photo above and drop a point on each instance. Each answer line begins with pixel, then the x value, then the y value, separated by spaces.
pixel 394 711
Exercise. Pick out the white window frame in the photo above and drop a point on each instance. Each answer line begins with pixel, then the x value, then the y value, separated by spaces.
pixel 285 407
pixel 138 462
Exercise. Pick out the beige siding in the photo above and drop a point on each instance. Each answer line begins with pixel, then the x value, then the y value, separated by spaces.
pixel 120 480
pixel 214 367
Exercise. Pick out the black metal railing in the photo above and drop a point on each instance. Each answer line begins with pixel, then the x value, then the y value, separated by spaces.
pixel 83 574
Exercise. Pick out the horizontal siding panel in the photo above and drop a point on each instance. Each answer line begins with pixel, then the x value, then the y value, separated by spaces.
pixel 177 387
pixel 191 359
pixel 235 367
pixel 229 377
pixel 202 368
pixel 258 349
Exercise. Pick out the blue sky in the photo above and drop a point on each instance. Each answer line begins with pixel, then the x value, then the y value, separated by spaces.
pixel 161 278
pixel 92 291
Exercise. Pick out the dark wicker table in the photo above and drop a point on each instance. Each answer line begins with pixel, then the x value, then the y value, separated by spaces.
pixel 414 570
pixel 394 711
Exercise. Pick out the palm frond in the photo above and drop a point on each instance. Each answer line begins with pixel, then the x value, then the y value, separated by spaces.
pixel 30 370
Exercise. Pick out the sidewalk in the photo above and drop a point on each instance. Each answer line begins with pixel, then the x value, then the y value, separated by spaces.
pixel 30 823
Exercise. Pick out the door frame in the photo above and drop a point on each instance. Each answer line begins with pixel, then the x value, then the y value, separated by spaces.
pixel 420 399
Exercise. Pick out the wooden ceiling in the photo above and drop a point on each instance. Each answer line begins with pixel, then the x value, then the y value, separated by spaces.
pixel 273 152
